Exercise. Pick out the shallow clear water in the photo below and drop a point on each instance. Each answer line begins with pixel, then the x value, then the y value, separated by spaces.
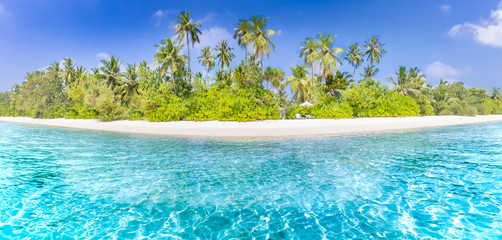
pixel 435 183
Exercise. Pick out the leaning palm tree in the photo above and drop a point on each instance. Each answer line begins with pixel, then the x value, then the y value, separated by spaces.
pixel 308 47
pixel 186 29
pixel 110 72
pixel 354 56
pixel 168 57
pixel 326 55
pixel 130 87
pixel 259 37
pixel 69 69
pixel 374 50
pixel 224 55
pixel 206 59
pixel 242 28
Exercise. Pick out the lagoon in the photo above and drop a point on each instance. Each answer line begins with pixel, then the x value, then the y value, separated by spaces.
pixel 433 183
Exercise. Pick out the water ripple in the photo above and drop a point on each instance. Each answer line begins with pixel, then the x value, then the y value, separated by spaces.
pixel 432 184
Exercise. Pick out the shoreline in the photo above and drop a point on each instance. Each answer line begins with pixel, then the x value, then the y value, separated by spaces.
pixel 260 129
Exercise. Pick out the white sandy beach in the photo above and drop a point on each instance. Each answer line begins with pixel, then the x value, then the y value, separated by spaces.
pixel 260 129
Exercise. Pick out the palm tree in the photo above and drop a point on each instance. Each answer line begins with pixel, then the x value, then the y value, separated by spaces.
pixel 110 71
pixel 168 56
pixel 337 83
pixel 307 48
pixel 374 49
pixel 224 55
pixel 186 29
pixel 95 71
pixel 408 83
pixel 130 87
pixel 274 77
pixel 69 69
pixel 300 84
pixel 326 54
pixel 55 70
pixel 207 59
pixel 354 56
pixel 242 28
pixel 496 94
pixel 369 72
pixel 80 74
pixel 259 37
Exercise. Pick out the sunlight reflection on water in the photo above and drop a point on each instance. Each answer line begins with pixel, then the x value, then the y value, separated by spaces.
pixel 435 183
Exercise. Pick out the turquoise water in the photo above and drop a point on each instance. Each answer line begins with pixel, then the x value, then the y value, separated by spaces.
pixel 435 183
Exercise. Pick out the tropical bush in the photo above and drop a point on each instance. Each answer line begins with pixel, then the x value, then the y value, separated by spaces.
pixel 330 110
pixel 234 104
pixel 375 100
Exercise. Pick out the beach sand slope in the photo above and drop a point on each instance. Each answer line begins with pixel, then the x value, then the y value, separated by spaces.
pixel 260 129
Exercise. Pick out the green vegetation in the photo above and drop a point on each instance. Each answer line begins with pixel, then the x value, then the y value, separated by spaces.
pixel 170 91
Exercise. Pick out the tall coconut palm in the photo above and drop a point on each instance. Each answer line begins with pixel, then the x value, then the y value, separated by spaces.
pixel 186 29
pixel 374 50
pixel 206 59
pixel 369 72
pixel 130 87
pixel 259 37
pixel 308 47
pixel 326 55
pixel 69 69
pixel 354 56
pixel 224 55
pixel 168 57
pixel 110 72
pixel 242 28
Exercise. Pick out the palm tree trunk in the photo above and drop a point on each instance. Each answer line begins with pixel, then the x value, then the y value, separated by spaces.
pixel 174 84
pixel 261 62
pixel 207 73
pixel 245 54
pixel 354 74
pixel 188 48
pixel 284 111
pixel 312 66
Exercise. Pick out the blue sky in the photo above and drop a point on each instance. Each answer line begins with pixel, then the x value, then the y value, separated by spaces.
pixel 459 40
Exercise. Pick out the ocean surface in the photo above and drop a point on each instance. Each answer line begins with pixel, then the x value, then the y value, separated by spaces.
pixel 70 184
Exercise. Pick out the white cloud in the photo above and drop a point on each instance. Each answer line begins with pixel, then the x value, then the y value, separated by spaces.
pixel 445 8
pixel 160 14
pixel 3 12
pixel 486 32
pixel 103 55
pixel 210 37
pixel 207 18
pixel 279 32
pixel 438 70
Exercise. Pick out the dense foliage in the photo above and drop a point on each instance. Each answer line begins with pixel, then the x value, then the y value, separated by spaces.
pixel 170 92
